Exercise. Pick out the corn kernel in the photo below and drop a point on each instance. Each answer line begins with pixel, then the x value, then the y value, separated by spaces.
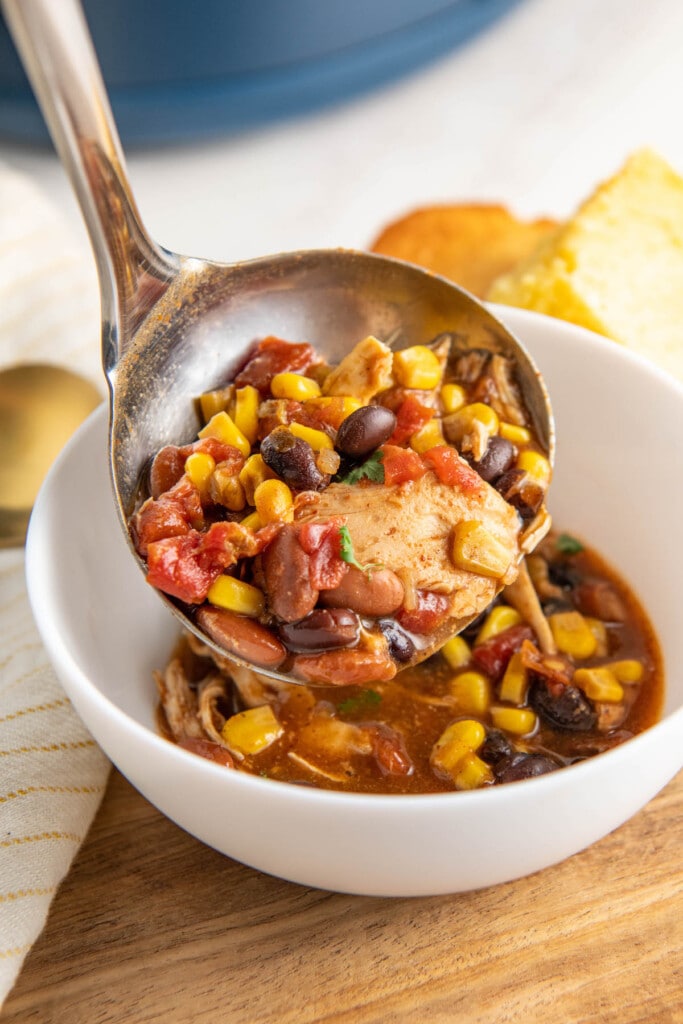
pixel 572 634
pixel 212 402
pixel 226 489
pixel 515 681
pixel 294 386
pixel 520 721
pixel 316 438
pixel 223 427
pixel 536 465
pixel 628 670
pixel 334 408
pixel 417 367
pixel 236 596
pixel 251 731
pixel 247 401
pixel 516 435
pixel 497 621
pixel 473 773
pixel 477 550
pixel 199 466
pixel 429 436
pixel 274 502
pixel 472 692
pixel 252 522
pixel 461 422
pixel 457 741
pixel 599 683
pixel 453 397
pixel 599 631
pixel 456 651
pixel 254 472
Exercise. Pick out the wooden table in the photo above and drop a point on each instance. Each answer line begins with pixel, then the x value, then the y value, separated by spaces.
pixel 152 926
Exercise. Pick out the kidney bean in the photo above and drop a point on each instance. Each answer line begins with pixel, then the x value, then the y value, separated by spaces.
pixel 496 460
pixel 286 573
pixel 365 430
pixel 401 647
pixel 293 460
pixel 345 668
pixel 563 707
pixel 523 766
pixel 368 593
pixel 323 629
pixel 241 636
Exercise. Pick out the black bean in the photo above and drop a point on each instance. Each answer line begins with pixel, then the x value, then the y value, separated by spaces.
pixel 496 460
pixel 523 766
pixel 495 747
pixel 524 495
pixel 563 575
pixel 324 629
pixel 365 430
pixel 401 647
pixel 293 460
pixel 568 709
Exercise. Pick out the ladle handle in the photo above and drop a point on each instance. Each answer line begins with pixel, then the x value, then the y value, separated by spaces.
pixel 54 43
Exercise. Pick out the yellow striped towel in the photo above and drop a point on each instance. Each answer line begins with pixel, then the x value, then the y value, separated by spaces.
pixel 52 775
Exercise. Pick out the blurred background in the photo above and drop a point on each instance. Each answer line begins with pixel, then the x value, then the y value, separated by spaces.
pixel 284 124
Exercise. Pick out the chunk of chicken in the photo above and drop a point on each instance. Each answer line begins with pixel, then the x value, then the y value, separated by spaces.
pixel 364 372
pixel 409 528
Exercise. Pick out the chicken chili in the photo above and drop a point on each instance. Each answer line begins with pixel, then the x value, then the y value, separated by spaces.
pixel 558 669
pixel 333 522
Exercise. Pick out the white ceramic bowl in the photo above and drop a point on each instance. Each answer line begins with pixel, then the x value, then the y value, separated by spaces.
pixel 617 484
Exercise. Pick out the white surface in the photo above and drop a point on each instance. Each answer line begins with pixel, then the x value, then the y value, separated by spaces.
pixel 101 622
pixel 533 113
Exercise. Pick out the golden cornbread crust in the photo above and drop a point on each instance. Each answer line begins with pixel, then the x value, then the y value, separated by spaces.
pixel 471 244
pixel 616 267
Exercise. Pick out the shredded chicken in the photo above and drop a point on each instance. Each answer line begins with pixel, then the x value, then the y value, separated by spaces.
pixel 178 701
pixel 507 400
pixel 212 690
pixel 414 533
pixel 523 597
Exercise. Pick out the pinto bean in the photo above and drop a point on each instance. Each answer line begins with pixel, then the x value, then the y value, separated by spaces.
pixel 345 668
pixel 286 572
pixel 241 636
pixel 368 593
pixel 325 629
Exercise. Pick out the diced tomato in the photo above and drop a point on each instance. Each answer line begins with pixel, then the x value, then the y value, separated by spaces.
pixel 401 464
pixel 173 514
pixel 271 356
pixel 322 543
pixel 205 748
pixel 430 612
pixel 452 470
pixel 411 417
pixel 493 655
pixel 185 567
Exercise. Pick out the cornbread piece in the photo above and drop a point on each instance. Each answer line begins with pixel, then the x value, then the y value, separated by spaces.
pixel 470 244
pixel 617 266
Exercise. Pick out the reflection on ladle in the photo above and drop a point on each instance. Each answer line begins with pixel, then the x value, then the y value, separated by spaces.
pixel 172 327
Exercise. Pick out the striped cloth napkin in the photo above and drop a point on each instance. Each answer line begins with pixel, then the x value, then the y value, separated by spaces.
pixel 52 774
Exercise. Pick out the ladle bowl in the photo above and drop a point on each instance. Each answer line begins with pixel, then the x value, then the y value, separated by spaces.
pixel 172 326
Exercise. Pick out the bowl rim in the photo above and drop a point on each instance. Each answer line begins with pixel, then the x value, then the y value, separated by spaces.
pixel 77 683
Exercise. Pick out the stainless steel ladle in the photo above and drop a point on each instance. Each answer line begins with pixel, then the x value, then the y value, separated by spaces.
pixel 172 326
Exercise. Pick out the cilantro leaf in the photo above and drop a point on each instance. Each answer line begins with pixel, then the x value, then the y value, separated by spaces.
pixel 347 554
pixel 568 545
pixel 360 702
pixel 372 469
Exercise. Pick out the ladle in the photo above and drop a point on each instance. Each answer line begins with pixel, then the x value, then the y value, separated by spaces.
pixel 172 325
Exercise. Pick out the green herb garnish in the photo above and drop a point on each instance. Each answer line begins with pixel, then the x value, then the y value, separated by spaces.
pixel 347 554
pixel 372 469
pixel 360 702
pixel 568 545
